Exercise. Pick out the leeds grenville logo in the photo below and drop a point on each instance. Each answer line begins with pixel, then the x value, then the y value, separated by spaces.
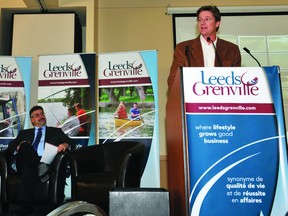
pixel 122 70
pixel 60 71
pixel 231 84
pixel 8 72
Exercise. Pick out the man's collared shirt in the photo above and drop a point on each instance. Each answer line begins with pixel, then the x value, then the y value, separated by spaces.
pixel 208 52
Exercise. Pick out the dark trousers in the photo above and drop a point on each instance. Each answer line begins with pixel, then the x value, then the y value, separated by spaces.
pixel 27 161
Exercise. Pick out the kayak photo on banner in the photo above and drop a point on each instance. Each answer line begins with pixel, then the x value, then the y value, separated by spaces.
pixel 237 154
pixel 128 104
pixel 67 94
pixel 14 97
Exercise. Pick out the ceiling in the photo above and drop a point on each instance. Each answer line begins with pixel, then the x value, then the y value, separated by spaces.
pixel 35 3
pixel 51 6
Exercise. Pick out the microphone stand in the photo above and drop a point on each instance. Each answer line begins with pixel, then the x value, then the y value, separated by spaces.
pixel 248 51
pixel 187 53
pixel 216 52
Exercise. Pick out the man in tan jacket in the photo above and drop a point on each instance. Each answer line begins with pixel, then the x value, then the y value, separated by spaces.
pixel 200 52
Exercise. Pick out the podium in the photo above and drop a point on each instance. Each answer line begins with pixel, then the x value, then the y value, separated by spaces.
pixel 175 136
pixel 226 142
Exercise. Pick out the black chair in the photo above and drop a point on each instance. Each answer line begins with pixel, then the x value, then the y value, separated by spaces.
pixel 50 193
pixel 97 169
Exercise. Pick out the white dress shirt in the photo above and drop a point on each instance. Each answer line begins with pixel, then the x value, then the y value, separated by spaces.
pixel 208 52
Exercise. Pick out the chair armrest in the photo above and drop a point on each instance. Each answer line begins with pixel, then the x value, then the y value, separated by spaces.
pixel 58 161
pixel 3 163
pixel 58 175
pixel 132 166
pixel 4 157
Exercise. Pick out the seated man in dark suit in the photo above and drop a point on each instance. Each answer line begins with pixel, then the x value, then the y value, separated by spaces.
pixel 28 148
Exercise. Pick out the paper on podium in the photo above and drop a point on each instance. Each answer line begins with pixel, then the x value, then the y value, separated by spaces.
pixel 49 153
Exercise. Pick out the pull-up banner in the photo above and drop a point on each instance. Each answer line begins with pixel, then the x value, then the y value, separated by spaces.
pixel 68 82
pixel 236 148
pixel 15 74
pixel 130 80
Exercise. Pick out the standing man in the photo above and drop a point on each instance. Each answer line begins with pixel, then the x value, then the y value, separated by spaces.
pixel 8 122
pixel 71 126
pixel 82 116
pixel 200 52
pixel 28 148
pixel 135 112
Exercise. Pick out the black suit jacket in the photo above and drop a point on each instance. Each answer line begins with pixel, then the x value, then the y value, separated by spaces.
pixel 229 54
pixel 54 136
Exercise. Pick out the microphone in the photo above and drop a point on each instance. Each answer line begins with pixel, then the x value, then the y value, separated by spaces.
pixel 248 51
pixel 216 52
pixel 187 53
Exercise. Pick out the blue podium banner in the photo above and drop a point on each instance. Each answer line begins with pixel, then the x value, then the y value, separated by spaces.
pixel 236 150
